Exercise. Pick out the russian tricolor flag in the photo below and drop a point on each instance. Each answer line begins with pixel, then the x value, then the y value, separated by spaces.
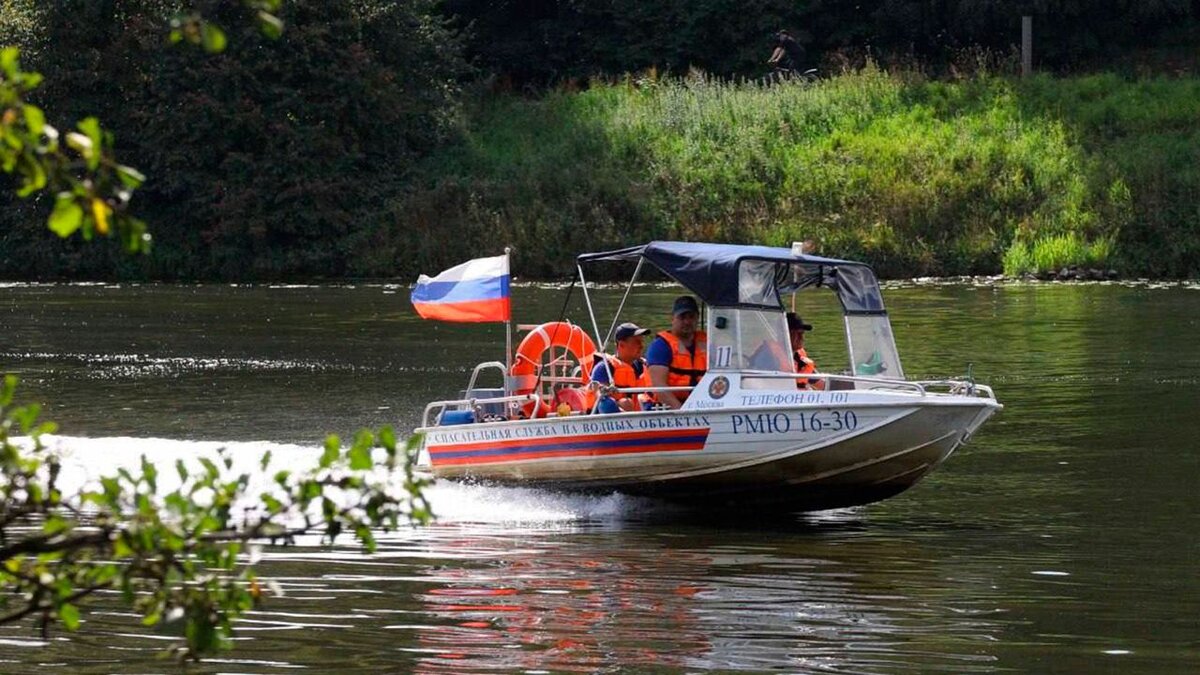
pixel 475 291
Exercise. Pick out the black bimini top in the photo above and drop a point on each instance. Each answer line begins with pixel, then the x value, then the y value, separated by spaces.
pixel 732 275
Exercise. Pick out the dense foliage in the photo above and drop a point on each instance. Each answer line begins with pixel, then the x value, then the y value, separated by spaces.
pixel 270 158
pixel 546 41
pixel 918 176
pixel 361 144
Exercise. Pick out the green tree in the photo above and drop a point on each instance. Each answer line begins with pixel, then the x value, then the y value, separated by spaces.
pixel 269 159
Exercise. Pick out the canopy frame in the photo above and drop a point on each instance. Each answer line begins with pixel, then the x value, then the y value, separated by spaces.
pixel 756 277
pixel 729 275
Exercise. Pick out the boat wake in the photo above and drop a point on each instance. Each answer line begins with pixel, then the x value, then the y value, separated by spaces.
pixel 86 460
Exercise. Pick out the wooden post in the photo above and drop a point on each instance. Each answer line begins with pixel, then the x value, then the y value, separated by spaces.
pixel 1026 45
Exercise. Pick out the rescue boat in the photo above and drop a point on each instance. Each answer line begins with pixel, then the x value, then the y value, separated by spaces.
pixel 746 434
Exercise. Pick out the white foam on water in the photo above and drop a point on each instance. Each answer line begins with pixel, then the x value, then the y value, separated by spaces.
pixel 457 502
pixel 85 460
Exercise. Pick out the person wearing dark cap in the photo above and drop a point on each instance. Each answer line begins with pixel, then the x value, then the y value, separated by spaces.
pixel 627 368
pixel 804 365
pixel 678 357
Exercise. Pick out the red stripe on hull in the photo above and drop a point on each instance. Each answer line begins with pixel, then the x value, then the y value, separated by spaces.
pixel 654 434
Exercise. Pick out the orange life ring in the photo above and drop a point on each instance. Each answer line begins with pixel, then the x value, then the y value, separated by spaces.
pixel 528 360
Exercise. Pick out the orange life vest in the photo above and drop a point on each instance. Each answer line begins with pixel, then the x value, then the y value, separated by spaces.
pixel 804 366
pixel 624 376
pixel 686 368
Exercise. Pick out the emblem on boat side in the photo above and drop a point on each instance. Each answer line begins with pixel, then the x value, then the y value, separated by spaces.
pixel 719 387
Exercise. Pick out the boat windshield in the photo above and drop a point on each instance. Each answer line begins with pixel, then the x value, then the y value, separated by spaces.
pixel 872 347
pixel 748 339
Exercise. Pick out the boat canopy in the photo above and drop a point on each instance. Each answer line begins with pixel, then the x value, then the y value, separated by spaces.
pixel 732 275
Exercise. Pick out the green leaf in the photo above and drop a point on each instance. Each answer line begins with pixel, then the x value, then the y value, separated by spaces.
pixel 70 616
pixel 210 468
pixel 270 25
pixel 265 461
pixel 360 457
pixel 33 177
pixel 121 547
pixel 56 524
pixel 8 389
pixel 387 438
pixel 150 474
pixel 94 147
pixel 213 38
pixel 91 127
pixel 130 177
pixel 35 119
pixel 366 537
pixel 8 61
pixel 67 215
pixel 332 451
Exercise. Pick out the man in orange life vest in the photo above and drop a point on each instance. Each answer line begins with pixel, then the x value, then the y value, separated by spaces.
pixel 678 357
pixel 628 368
pixel 804 365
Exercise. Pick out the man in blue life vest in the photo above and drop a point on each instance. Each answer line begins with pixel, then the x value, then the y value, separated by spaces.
pixel 678 357
pixel 627 368
pixel 804 365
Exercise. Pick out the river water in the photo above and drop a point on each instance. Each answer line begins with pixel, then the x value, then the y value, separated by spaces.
pixel 1064 538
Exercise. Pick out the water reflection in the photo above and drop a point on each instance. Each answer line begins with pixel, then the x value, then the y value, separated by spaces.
pixel 590 597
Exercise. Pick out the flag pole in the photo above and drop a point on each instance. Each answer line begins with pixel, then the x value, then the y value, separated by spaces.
pixel 508 350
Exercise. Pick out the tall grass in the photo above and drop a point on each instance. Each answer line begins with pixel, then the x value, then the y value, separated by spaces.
pixel 918 177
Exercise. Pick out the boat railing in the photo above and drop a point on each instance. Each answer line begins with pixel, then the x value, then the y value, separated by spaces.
pixel 869 383
pixel 486 366
pixel 960 388
pixel 921 388
pixel 468 404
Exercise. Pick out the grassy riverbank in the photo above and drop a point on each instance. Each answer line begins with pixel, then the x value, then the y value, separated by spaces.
pixel 919 177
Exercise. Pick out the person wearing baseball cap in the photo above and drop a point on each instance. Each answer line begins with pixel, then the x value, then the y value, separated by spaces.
pixel 804 365
pixel 678 357
pixel 627 368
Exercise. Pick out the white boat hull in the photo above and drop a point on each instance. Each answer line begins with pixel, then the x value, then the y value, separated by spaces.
pixel 797 451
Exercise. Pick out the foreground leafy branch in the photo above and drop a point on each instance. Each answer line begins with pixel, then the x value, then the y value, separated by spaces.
pixel 91 189
pixel 185 555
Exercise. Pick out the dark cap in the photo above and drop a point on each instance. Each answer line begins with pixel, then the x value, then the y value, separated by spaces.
pixel 683 304
pixel 796 323
pixel 628 330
